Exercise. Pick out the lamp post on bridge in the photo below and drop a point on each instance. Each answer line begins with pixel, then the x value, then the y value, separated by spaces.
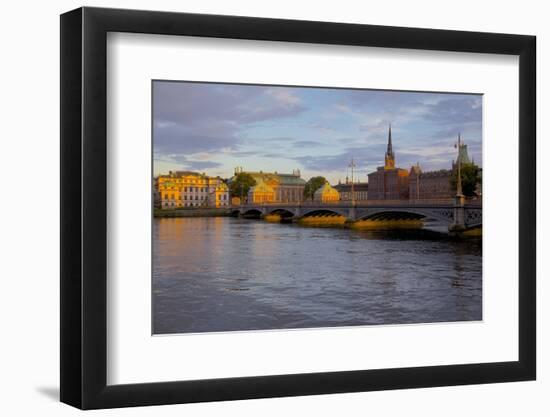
pixel 352 209
pixel 458 210
pixel 352 166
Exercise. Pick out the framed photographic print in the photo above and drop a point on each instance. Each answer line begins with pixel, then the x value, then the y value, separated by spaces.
pixel 258 207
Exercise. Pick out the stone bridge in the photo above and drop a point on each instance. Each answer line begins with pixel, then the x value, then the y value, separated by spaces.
pixel 458 213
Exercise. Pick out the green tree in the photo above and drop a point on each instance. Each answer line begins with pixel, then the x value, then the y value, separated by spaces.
pixel 241 184
pixel 470 175
pixel 313 185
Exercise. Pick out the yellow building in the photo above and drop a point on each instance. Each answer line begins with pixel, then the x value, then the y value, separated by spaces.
pixel 326 194
pixel 261 193
pixel 274 186
pixel 220 196
pixel 190 189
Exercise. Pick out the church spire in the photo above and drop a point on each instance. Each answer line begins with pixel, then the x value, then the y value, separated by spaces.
pixel 389 160
pixel 390 148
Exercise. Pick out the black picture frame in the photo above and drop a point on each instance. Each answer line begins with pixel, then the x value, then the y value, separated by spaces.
pixel 84 207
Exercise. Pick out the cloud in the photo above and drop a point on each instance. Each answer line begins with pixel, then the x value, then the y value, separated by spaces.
pixel 369 155
pixel 377 109
pixel 215 126
pixel 455 110
pixel 198 117
pixel 307 143
pixel 185 163
pixel 179 138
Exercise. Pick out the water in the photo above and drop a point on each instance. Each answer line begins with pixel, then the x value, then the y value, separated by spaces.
pixel 224 274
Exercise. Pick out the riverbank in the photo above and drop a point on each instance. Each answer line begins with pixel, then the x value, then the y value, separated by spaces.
pixel 192 212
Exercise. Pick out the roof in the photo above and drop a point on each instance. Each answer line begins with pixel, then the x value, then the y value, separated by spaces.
pixel 261 187
pixel 463 154
pixel 357 186
pixel 325 190
pixel 276 178
pixel 186 173
pixel 436 174
pixel 291 179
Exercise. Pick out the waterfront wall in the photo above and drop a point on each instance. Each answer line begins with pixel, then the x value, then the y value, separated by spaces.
pixel 189 212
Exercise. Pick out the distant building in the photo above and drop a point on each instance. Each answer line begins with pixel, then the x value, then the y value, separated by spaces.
pixel 326 194
pixel 389 182
pixel 156 194
pixel 429 185
pixel 360 190
pixel 436 184
pixel 190 189
pixel 274 187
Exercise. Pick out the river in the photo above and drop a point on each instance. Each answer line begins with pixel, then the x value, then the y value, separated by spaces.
pixel 226 274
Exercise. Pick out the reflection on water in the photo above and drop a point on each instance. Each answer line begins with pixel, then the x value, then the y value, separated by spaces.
pixel 223 274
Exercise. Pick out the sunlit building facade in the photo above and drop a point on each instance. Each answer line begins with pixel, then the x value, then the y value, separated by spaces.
pixel 326 194
pixel 261 193
pixel 389 182
pixel 275 187
pixel 190 189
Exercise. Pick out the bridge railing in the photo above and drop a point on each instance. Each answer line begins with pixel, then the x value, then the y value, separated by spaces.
pixel 437 202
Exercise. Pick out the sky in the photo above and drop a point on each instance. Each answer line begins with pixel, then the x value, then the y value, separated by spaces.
pixel 213 128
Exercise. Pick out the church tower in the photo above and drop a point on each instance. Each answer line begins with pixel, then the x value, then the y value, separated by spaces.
pixel 389 159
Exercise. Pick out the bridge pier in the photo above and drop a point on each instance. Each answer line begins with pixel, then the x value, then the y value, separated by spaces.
pixel 352 214
pixel 459 218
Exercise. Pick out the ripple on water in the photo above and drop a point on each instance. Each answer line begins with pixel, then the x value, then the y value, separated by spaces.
pixel 222 274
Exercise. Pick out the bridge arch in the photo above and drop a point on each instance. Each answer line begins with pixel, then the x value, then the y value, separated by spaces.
pixel 406 213
pixel 393 215
pixel 283 212
pixel 252 212
pixel 324 212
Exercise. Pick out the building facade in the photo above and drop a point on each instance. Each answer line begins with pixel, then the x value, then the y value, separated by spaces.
pixel 436 184
pixel 190 189
pixel 326 194
pixel 389 182
pixel 261 193
pixel 429 185
pixel 360 190
pixel 275 187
